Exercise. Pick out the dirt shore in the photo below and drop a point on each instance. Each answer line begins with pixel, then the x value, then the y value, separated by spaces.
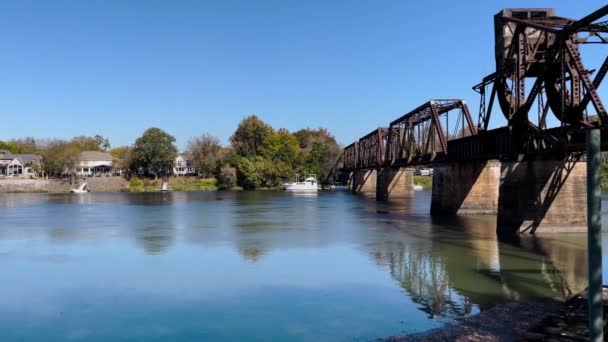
pixel 505 322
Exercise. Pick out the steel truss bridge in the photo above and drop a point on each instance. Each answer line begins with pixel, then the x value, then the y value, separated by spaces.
pixel 539 69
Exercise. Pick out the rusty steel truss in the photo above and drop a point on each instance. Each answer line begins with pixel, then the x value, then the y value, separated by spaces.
pixel 420 136
pixel 533 44
pixel 538 65
pixel 371 149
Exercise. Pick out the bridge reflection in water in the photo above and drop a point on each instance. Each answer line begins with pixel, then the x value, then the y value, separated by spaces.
pixel 458 267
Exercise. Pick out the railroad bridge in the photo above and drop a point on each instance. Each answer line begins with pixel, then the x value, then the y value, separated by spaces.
pixel 531 175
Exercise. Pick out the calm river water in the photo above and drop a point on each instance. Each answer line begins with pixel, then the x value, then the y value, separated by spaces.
pixel 258 266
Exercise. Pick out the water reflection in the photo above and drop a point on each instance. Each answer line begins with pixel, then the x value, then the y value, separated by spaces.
pixel 457 265
pixel 358 266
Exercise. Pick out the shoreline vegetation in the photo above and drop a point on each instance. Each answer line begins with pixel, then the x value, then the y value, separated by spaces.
pixel 137 184
pixel 258 156
pixel 175 184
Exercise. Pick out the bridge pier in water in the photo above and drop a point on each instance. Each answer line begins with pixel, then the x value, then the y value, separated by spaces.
pixel 533 196
pixel 538 196
pixel 395 183
pixel 383 184
pixel 364 182
pixel 465 188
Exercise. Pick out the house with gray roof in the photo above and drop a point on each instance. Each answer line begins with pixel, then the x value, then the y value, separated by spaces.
pixel 95 163
pixel 19 165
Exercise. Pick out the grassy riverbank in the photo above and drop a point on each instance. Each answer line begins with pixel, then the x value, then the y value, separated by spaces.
pixel 175 183
pixel 425 181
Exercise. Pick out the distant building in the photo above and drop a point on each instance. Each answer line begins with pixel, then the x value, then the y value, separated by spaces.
pixel 18 165
pixel 95 164
pixel 184 165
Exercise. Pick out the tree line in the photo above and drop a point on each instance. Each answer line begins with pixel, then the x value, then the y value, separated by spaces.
pixel 258 156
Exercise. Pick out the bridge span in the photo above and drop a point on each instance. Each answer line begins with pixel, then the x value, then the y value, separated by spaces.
pixel 531 175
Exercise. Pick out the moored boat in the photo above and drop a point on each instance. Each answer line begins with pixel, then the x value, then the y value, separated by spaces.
pixel 309 184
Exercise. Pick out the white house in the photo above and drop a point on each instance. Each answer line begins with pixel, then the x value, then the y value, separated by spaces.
pixel 18 165
pixel 94 163
pixel 184 165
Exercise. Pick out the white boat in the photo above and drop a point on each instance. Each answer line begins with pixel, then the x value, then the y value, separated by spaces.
pixel 309 184
pixel 418 187
pixel 83 188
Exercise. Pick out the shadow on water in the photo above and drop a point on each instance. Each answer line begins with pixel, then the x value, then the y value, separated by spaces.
pixel 451 265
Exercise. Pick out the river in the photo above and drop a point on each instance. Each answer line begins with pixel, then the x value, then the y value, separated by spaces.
pixel 262 266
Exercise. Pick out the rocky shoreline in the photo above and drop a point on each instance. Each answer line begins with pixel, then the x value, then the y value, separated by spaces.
pixel 504 322
pixel 97 184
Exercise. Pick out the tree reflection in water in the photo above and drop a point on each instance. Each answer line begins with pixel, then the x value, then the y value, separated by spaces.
pixel 154 223
pixel 461 266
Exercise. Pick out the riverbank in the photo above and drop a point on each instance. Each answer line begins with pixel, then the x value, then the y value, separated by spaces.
pixel 96 184
pixel 504 322
pixel 175 184
pixel 425 181
pixel 105 184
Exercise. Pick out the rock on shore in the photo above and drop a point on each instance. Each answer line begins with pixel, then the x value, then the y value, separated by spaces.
pixel 504 322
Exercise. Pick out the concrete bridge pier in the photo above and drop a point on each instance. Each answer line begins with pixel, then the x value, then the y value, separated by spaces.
pixel 395 183
pixel 465 188
pixel 364 182
pixel 542 196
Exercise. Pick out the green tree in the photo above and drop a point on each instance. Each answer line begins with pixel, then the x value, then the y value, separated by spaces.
pixel 96 143
pixel 103 143
pixel 59 157
pixel 250 172
pixel 206 153
pixel 280 145
pixel 24 145
pixel 226 177
pixel 248 139
pixel 7 146
pixel 320 152
pixel 122 157
pixel 154 152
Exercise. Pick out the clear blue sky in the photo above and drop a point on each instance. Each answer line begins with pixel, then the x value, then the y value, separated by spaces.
pixel 118 67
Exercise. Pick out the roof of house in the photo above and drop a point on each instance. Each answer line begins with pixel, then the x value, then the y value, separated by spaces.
pixel 6 154
pixel 95 156
pixel 28 158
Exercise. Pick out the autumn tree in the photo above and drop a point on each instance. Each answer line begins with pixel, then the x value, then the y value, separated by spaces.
pixel 154 152
pixel 122 157
pixel 59 157
pixel 206 152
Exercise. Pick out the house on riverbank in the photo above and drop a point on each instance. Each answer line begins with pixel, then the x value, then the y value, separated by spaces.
pixel 95 164
pixel 19 164
pixel 184 165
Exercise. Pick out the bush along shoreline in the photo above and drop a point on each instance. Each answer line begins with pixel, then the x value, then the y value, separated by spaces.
pixel 175 184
